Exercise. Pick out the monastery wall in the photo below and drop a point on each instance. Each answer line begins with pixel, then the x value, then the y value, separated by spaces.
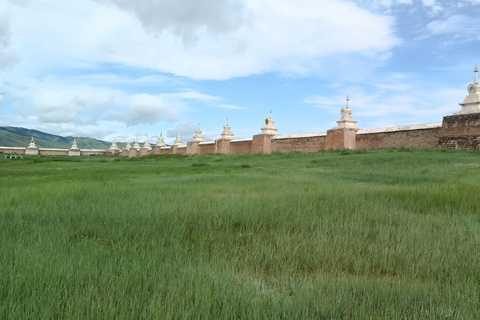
pixel 241 146
pixel 180 150
pixel 166 150
pixel 52 152
pixel 418 136
pixel 458 131
pixel 12 150
pixel 206 147
pixel 310 142
pixel 91 152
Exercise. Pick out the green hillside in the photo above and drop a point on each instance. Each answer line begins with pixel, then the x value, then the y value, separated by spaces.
pixel 20 137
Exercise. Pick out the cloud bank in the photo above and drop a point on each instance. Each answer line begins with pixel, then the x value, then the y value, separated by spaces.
pixel 201 39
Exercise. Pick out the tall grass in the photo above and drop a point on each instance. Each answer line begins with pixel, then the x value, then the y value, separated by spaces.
pixel 385 234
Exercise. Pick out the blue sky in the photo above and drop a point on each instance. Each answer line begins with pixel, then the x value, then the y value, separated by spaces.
pixel 126 69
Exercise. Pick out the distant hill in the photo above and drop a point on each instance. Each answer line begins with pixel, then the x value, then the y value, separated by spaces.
pixel 20 137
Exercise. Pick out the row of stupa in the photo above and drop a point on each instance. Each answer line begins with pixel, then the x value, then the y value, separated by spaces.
pixel 470 105
pixel 227 134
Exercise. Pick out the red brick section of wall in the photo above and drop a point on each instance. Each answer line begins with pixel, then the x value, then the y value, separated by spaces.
pixel 133 153
pixel 301 144
pixel 182 151
pixel 420 138
pixel 460 132
pixel 88 152
pixel 223 146
pixel 350 138
pixel 262 143
pixel 145 152
pixel 166 150
pixel 207 148
pixel 53 152
pixel 340 139
pixel 334 139
pixel 159 150
pixel 12 151
pixel 241 146
pixel 192 147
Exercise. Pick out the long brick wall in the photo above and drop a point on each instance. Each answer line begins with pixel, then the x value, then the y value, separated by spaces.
pixel 421 136
pixel 12 150
pixel 206 147
pixel 311 142
pixel 456 131
pixel 241 146
pixel 52 151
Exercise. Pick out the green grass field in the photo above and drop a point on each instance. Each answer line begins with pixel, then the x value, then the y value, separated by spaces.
pixel 385 234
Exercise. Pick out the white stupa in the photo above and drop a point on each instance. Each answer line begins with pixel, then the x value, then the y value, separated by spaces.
pixel 128 146
pixel 178 141
pixel 136 145
pixel 74 150
pixel 269 127
pixel 32 148
pixel 160 142
pixel 147 145
pixel 471 104
pixel 114 148
pixel 198 135
pixel 227 133
pixel 346 121
pixel 74 145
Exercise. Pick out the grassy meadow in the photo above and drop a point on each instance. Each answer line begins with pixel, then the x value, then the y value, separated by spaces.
pixel 381 234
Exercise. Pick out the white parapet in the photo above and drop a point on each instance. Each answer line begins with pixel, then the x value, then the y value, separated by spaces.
pixel 300 135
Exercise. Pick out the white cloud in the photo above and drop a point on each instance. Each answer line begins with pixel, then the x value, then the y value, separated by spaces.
pixel 456 24
pixel 174 37
pixel 191 95
pixel 145 108
pixel 428 3
pixel 433 6
pixel 327 103
pixel 385 3
pixel 103 130
pixel 54 100
pixel 148 109
pixel 185 129
pixel 404 100
pixel 8 55
pixel 185 18
pixel 228 106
